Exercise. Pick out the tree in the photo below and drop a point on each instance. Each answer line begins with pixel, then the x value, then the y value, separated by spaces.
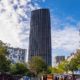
pixel 77 59
pixel 57 70
pixel 52 70
pixel 73 65
pixel 19 69
pixel 64 66
pixel 4 62
pixel 3 48
pixel 37 66
pixel 78 66
pixel 60 68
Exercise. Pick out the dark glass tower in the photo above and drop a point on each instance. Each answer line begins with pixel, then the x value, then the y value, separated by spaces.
pixel 40 35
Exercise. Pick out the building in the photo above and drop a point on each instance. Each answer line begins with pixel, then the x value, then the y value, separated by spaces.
pixel 40 35
pixel 58 59
pixel 72 55
pixel 17 55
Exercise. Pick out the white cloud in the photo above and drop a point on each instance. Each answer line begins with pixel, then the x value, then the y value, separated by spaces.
pixel 44 0
pixel 14 21
pixel 67 39
pixel 9 30
pixel 65 33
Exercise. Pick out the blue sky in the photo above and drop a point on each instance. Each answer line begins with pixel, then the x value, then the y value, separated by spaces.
pixel 65 22
pixel 63 8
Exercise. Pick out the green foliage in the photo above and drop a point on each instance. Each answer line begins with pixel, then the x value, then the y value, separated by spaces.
pixel 61 68
pixel 37 66
pixel 73 65
pixel 64 66
pixel 4 62
pixel 3 48
pixel 19 69
pixel 13 69
pixel 77 57
pixel 52 70
pixel 78 66
pixel 56 70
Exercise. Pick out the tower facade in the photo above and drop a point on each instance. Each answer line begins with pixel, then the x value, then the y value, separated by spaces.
pixel 40 35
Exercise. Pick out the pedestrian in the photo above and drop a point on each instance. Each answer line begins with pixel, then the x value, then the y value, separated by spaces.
pixel 56 78
pixel 65 77
pixel 62 78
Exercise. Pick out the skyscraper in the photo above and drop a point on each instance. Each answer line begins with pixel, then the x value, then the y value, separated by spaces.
pixel 40 35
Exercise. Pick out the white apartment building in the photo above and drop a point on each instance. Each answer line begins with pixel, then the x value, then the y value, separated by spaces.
pixel 17 55
pixel 72 55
